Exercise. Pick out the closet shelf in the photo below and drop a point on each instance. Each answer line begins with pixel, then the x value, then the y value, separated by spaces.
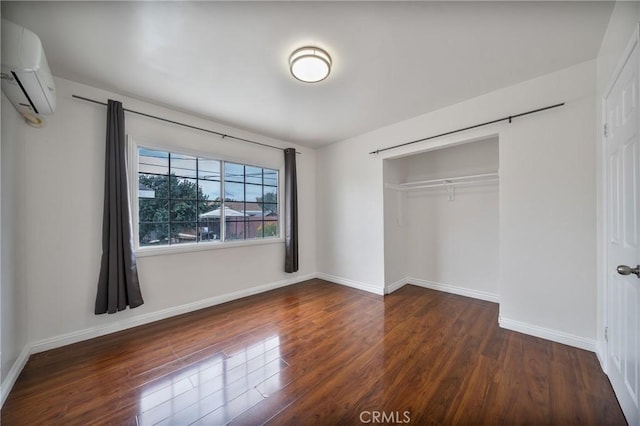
pixel 450 182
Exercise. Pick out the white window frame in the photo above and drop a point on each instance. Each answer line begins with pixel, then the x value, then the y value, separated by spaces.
pixel 132 173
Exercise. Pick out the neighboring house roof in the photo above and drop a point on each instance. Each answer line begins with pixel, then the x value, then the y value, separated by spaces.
pixel 242 206
pixel 254 213
pixel 228 212
pixel 237 209
pixel 143 187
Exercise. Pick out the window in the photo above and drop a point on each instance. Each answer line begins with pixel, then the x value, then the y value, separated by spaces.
pixel 180 200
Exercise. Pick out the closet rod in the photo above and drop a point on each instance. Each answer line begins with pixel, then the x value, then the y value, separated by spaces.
pixel 155 117
pixel 450 179
pixel 444 184
pixel 451 184
pixel 510 117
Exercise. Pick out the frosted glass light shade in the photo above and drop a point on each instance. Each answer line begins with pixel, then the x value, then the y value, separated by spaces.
pixel 310 64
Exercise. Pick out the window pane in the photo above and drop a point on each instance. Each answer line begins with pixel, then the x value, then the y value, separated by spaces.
pixel 180 199
pixel 253 210
pixel 233 191
pixel 270 177
pixel 184 211
pixel 209 213
pixel 254 228
pixel 253 192
pixel 208 169
pixel 233 172
pixel 270 228
pixel 183 189
pixel 253 175
pixel 234 228
pixel 270 210
pixel 183 233
pixel 153 234
pixel 153 186
pixel 153 210
pixel 234 209
pixel 209 209
pixel 209 230
pixel 183 165
pixel 270 195
pixel 151 161
pixel 209 190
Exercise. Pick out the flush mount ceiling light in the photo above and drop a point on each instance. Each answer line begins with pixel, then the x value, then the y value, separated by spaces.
pixel 310 64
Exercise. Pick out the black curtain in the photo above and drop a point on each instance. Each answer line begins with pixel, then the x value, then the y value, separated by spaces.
pixel 118 284
pixel 290 211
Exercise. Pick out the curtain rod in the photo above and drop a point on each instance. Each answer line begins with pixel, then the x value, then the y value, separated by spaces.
pixel 223 135
pixel 510 117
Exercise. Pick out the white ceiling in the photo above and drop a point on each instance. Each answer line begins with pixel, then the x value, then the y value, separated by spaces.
pixel 392 60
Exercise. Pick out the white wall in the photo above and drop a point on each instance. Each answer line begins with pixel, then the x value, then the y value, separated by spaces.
pixel 472 158
pixel 350 225
pixel 623 23
pixel 63 189
pixel 454 243
pixel 547 199
pixel 13 288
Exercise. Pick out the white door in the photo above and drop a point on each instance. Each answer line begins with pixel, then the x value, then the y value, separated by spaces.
pixel 623 229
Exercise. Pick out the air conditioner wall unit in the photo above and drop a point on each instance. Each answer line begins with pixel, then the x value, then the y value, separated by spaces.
pixel 26 78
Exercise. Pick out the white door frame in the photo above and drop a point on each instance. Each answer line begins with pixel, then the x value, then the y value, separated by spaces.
pixel 603 346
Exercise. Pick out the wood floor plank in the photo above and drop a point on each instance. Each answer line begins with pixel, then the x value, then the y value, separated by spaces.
pixel 317 353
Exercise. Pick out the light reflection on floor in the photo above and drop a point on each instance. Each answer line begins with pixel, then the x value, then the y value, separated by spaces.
pixel 215 390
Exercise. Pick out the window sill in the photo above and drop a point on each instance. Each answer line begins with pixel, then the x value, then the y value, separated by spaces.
pixel 191 247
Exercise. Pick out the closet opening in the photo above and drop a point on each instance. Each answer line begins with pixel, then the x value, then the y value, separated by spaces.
pixel 441 219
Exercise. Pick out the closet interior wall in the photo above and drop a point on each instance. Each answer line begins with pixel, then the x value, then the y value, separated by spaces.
pixel 439 234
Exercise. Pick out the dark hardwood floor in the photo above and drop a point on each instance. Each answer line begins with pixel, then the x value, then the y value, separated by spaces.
pixel 318 353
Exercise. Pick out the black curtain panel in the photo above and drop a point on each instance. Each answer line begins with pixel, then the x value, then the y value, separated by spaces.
pixel 290 211
pixel 118 285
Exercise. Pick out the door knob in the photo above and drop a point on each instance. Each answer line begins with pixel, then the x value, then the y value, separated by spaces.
pixel 626 270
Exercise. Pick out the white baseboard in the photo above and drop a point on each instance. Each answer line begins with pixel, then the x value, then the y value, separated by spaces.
pixel 351 283
pixel 90 333
pixel 396 285
pixel 549 334
pixel 461 291
pixel 14 372
pixel 601 353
